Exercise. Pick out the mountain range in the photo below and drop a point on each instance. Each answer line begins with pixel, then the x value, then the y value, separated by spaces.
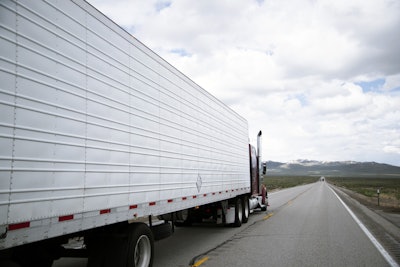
pixel 331 168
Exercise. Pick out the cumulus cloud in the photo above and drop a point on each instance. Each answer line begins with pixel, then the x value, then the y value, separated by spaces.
pixel 320 78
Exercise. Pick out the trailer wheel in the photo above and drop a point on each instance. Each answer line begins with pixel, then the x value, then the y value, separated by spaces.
pixel 246 209
pixel 36 254
pixel 140 246
pixel 161 231
pixel 264 208
pixel 184 218
pixel 238 212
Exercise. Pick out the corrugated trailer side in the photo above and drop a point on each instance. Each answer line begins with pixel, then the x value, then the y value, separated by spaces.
pixel 95 128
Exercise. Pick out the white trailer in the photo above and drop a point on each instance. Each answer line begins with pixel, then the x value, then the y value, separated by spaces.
pixel 96 130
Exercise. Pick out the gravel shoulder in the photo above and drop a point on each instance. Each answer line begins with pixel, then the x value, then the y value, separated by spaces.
pixel 383 223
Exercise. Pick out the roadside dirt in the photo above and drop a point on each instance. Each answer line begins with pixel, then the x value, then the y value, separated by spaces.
pixel 382 221
pixel 386 203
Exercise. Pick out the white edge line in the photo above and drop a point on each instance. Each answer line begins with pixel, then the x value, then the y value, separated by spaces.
pixel 384 253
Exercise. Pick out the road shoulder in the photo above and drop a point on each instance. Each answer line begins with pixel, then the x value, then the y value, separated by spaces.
pixel 384 228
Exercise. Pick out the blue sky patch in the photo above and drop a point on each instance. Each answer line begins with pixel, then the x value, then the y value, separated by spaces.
pixel 303 99
pixel 180 51
pixel 372 86
pixel 160 5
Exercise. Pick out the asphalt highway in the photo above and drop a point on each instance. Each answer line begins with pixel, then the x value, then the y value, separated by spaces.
pixel 308 226
pixel 304 226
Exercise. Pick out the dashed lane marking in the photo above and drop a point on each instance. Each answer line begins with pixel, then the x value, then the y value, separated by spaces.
pixel 200 262
pixel 268 216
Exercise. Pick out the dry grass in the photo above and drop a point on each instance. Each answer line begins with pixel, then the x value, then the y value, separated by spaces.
pixel 367 187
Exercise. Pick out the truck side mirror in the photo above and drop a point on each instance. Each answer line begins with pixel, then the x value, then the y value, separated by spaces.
pixel 264 168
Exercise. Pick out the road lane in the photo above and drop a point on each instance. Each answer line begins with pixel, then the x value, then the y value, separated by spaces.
pixel 311 229
pixel 304 226
pixel 279 198
pixel 191 242
pixel 375 241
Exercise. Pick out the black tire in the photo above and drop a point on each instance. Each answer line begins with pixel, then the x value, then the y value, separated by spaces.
pixel 238 212
pixel 140 246
pixel 264 208
pixel 187 223
pixel 33 255
pixel 9 263
pixel 186 220
pixel 246 209
pixel 161 231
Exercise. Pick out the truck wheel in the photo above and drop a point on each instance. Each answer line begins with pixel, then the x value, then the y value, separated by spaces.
pixel 246 209
pixel 184 218
pixel 238 213
pixel 9 263
pixel 140 246
pixel 33 255
pixel 185 223
pixel 161 231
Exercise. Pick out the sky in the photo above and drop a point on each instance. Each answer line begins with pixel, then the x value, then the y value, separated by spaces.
pixel 321 79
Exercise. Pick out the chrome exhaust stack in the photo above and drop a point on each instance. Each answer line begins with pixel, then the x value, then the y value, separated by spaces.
pixel 259 160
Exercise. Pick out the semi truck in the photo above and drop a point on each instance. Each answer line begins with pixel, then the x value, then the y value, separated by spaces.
pixel 104 141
